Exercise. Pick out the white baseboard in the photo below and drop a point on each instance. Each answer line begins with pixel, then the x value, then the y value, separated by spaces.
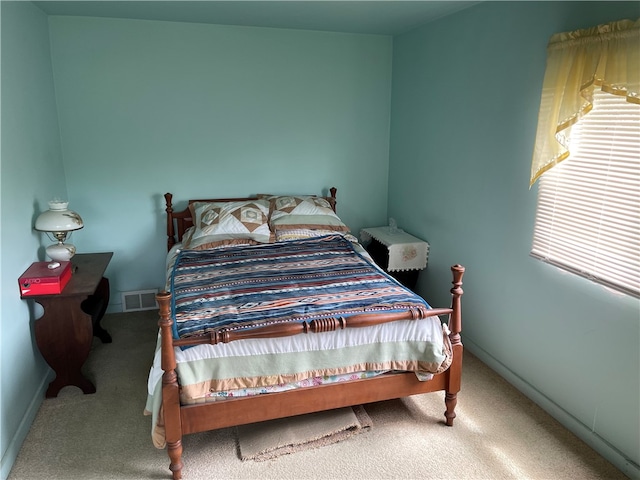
pixel 10 455
pixel 571 423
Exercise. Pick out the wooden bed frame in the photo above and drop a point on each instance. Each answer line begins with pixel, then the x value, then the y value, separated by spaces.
pixel 181 420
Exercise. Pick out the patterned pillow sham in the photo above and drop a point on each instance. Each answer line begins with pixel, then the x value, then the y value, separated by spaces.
pixel 309 212
pixel 228 223
pixel 284 235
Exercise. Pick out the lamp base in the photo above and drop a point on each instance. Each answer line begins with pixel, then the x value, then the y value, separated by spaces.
pixel 62 252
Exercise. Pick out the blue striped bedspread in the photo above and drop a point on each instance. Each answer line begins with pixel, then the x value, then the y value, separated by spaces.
pixel 295 281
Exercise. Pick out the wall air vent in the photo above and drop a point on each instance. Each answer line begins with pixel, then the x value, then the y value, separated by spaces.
pixel 139 300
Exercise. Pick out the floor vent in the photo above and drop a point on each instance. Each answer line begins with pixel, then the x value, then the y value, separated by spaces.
pixel 139 300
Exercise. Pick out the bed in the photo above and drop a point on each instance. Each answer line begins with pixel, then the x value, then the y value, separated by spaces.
pixel 273 309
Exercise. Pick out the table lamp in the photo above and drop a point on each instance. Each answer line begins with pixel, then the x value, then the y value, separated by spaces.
pixel 58 221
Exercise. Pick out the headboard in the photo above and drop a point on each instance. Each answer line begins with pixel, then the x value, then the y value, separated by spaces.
pixel 179 222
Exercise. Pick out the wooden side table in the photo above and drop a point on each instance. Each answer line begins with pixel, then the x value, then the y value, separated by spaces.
pixel 401 255
pixel 71 318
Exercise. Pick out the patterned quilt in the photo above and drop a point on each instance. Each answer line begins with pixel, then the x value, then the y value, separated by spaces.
pixel 295 281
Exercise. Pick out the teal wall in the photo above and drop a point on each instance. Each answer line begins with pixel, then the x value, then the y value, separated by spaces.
pixel 198 110
pixel 32 174
pixel 466 92
pixel 147 107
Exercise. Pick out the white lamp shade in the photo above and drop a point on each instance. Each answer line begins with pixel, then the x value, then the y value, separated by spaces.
pixel 58 219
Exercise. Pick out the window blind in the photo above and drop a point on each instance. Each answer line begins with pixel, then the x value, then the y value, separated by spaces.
pixel 588 214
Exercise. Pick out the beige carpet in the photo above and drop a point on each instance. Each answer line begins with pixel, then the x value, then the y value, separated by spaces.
pixel 267 440
pixel 498 433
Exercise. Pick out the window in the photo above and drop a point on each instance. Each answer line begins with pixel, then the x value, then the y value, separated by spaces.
pixel 587 155
pixel 588 214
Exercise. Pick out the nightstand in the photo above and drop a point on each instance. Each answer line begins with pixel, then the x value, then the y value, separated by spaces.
pixel 400 255
pixel 71 318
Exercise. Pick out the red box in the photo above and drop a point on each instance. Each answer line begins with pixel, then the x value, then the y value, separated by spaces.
pixel 39 279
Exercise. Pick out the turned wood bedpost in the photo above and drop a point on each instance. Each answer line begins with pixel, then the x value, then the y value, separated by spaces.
pixel 171 239
pixel 455 321
pixel 333 191
pixel 455 327
pixel 170 389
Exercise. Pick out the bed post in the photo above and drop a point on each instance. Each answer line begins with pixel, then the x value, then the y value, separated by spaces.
pixel 171 239
pixel 170 392
pixel 332 199
pixel 455 326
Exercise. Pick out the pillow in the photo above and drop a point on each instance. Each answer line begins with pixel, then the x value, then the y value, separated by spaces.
pixel 228 223
pixel 309 212
pixel 283 235
pixel 187 235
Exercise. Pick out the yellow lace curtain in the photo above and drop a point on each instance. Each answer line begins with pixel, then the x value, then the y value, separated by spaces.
pixel 607 56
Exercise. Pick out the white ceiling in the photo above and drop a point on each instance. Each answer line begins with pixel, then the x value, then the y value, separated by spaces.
pixel 382 17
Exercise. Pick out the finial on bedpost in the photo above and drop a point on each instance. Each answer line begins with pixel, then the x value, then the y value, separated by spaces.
pixel 455 320
pixel 171 239
pixel 333 191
